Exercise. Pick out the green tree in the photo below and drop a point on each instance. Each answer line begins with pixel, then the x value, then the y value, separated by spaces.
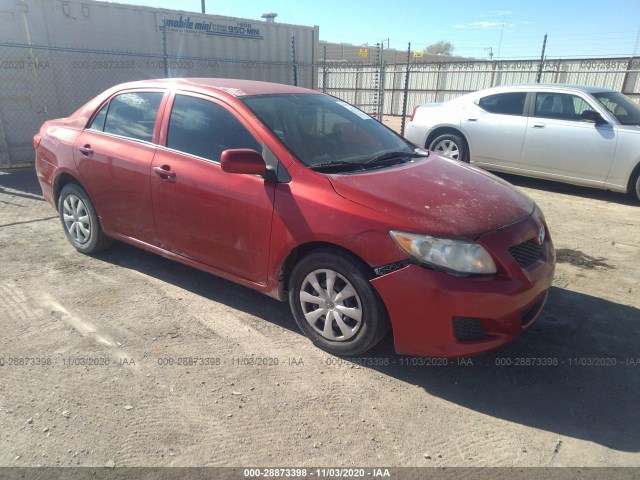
pixel 440 48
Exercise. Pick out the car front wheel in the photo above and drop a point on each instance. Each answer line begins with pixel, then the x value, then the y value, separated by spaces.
pixel 80 221
pixel 334 304
pixel 635 187
pixel 449 145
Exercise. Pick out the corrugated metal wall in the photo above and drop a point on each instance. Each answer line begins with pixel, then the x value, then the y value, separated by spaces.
pixel 442 81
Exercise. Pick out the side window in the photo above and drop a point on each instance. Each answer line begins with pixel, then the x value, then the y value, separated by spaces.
pixel 98 121
pixel 511 103
pixel 202 128
pixel 560 106
pixel 133 115
pixel 579 106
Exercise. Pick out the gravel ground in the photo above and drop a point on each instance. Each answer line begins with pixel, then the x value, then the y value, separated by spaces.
pixel 112 339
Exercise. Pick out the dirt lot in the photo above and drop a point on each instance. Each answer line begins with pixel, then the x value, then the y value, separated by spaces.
pixel 135 316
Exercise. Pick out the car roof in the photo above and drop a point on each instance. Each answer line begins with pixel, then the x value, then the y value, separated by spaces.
pixel 548 86
pixel 230 86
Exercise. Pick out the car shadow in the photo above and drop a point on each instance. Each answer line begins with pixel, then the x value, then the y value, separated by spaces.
pixel 200 283
pixel 575 372
pixel 23 182
pixel 567 189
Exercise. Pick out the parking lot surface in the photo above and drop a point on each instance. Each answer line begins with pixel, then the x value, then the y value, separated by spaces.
pixel 128 359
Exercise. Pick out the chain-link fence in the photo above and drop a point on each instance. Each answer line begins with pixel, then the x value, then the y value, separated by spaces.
pixel 43 82
pixel 360 85
pixel 40 83
pixel 393 90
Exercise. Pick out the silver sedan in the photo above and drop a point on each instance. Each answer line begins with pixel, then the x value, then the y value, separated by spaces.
pixel 581 135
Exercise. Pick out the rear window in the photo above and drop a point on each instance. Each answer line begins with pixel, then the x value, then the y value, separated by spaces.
pixel 131 115
pixel 511 103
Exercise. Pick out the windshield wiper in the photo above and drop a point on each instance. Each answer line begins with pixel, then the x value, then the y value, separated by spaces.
pixel 383 157
pixel 334 164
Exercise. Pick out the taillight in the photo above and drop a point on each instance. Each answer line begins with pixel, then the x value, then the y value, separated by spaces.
pixel 36 140
pixel 413 114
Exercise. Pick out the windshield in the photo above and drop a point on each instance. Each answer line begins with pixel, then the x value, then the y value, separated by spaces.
pixel 627 112
pixel 321 130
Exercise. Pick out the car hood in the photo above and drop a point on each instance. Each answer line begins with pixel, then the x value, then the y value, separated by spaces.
pixel 437 196
pixel 629 129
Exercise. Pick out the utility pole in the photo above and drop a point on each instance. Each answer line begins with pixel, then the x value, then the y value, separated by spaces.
pixel 544 46
pixel 203 6
pixel 490 50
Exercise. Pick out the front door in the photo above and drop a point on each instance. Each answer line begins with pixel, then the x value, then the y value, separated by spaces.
pixel 559 144
pixel 202 213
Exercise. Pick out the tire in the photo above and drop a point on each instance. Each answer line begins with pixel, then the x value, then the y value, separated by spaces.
pixel 80 221
pixel 341 286
pixel 635 187
pixel 450 145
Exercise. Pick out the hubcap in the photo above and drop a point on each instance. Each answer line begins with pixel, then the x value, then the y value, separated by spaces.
pixel 76 219
pixel 447 148
pixel 331 305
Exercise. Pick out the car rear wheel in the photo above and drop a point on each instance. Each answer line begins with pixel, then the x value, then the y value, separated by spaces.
pixel 449 145
pixel 334 304
pixel 80 221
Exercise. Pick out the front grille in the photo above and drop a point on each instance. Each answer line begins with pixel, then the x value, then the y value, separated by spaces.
pixel 466 329
pixel 526 253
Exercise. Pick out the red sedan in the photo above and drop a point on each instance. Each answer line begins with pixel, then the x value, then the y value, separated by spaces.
pixel 304 197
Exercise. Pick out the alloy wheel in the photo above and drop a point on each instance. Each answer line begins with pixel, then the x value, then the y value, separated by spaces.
pixel 448 148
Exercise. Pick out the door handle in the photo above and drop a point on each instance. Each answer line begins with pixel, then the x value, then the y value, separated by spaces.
pixel 86 150
pixel 164 172
pixel 539 125
pixel 472 119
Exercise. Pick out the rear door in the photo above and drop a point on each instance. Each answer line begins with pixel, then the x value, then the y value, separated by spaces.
pixel 496 126
pixel 202 213
pixel 559 144
pixel 114 156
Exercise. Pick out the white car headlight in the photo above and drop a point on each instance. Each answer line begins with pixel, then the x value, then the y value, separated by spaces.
pixel 455 256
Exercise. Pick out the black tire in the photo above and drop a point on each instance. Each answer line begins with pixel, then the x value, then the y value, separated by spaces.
pixel 366 332
pixel 451 146
pixel 80 221
pixel 634 191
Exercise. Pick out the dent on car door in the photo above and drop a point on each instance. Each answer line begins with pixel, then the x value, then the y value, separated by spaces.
pixel 496 126
pixel 560 144
pixel 114 156
pixel 202 213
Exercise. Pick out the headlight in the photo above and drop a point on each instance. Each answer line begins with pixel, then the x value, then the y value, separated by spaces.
pixel 456 256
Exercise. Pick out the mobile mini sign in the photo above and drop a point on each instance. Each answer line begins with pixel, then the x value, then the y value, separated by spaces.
pixel 207 26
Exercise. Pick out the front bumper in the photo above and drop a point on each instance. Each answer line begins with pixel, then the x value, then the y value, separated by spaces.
pixel 427 308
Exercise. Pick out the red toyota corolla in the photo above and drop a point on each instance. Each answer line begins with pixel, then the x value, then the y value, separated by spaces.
pixel 303 197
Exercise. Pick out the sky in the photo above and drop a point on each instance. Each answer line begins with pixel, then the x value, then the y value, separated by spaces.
pixel 508 29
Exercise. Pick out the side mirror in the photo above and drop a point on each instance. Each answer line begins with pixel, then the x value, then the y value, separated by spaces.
pixel 243 160
pixel 593 116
